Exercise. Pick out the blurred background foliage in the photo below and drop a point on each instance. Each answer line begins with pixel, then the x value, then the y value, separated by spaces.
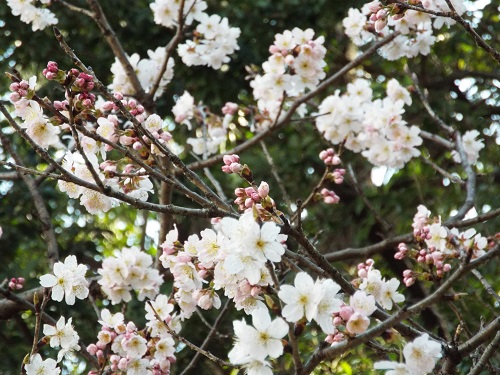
pixel 463 84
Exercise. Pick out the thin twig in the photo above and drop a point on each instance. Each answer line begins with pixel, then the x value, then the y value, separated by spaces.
pixel 213 331
pixel 437 168
pixel 109 34
pixel 277 177
pixel 486 285
pixel 385 225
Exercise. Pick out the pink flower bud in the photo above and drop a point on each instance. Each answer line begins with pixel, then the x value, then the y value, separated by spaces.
pixel 337 321
pixel 118 96
pixel 346 312
pixel 407 273
pixel 263 189
pixel 108 106
pixel 230 108
pixel 230 159
pixel 14 97
pixel 274 49
pixel 409 282
pixel 14 86
pixel 235 167
pixel 256 290
pixel 380 24
pixel 166 136
pixel 137 146
pixel 446 267
pixel 92 349
pixel 126 141
pixel 122 364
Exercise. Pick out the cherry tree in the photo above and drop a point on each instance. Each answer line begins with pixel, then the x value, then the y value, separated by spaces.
pixel 258 266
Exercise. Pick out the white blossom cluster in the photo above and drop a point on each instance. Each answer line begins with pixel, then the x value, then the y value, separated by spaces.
pixel 254 344
pixel 215 40
pixel 373 127
pixel 147 71
pixel 36 124
pixel 416 28
pixel 472 146
pixel 166 12
pixel 39 18
pixel 312 300
pixel 127 270
pixel 384 292
pixel 296 64
pixel 39 128
pixel 68 281
pixel 420 357
pixel 138 352
pixel 438 238
pixel 63 336
pixel 38 366
pixel 206 143
pixel 234 255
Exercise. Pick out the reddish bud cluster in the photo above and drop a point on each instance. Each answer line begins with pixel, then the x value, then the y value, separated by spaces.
pixel 51 71
pixel 329 196
pixel 329 157
pixel 232 164
pixel 19 90
pixel 16 283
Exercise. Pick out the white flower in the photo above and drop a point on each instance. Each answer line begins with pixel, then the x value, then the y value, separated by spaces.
pixel 136 346
pixel 373 283
pixel 259 342
pixel 67 281
pixel 39 367
pixel 183 108
pixel 114 321
pixel 357 323
pixel 62 335
pixel 138 367
pixel 301 299
pixel 394 368
pixel 438 235
pixel 153 123
pixel 328 305
pixel 422 354
pixel 161 306
pixel 389 294
pixel 165 348
pixel 363 303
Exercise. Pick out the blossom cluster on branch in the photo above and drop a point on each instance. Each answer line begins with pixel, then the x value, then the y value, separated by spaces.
pixel 107 145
